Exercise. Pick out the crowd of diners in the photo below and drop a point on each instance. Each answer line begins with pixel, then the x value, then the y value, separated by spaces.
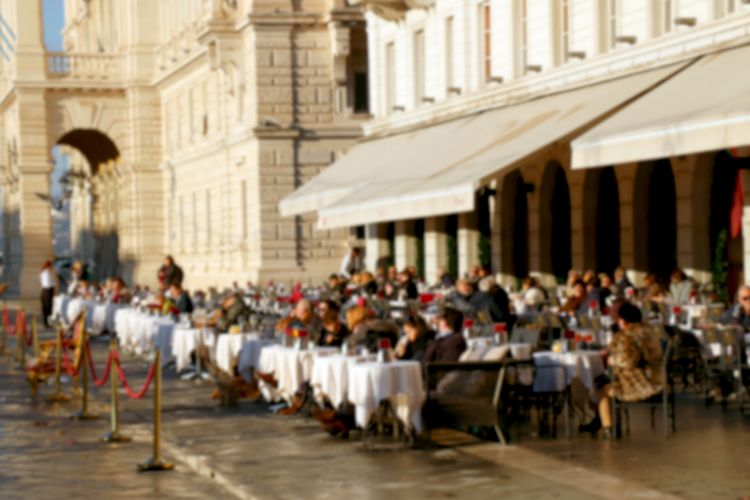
pixel 355 306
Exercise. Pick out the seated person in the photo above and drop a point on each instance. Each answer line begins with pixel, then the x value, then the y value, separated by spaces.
pixel 119 292
pixel 532 297
pixel 303 317
pixel 414 343
pixel 491 299
pixel 448 343
pixel 576 303
pixel 181 299
pixel 233 310
pixel 335 288
pixel 460 299
pixel 367 330
pixel 654 292
pixel 407 289
pixel 326 305
pixel 334 331
pixel 681 287
pixel 739 314
pixel 635 355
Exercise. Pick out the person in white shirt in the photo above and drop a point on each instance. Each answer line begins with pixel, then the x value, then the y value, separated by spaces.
pixel 47 282
pixel 351 264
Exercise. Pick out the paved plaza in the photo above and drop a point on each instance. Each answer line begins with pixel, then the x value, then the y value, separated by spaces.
pixel 249 452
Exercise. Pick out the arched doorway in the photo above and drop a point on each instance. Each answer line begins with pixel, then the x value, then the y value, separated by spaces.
pixel 655 219
pixel 601 208
pixel 91 182
pixel 554 222
pixel 515 226
pixel 725 225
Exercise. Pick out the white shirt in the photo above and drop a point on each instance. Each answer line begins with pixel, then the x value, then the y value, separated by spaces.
pixel 46 279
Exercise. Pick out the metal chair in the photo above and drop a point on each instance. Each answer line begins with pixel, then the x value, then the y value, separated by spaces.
pixel 664 398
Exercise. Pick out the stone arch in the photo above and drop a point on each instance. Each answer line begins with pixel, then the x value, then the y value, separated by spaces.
pixel 601 220
pixel 514 226
pixel 555 242
pixel 655 218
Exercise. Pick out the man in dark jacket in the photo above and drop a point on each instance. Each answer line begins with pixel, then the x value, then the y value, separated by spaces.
pixel 492 300
pixel 460 299
pixel 170 273
pixel 448 343
pixel 181 299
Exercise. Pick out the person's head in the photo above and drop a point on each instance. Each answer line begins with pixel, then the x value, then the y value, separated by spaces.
pixel 649 279
pixel 743 298
pixel 578 289
pixel 605 280
pixel 47 265
pixel 628 315
pixel 415 327
pixel 573 276
pixel 677 276
pixel 588 275
pixel 487 284
pixel 450 320
pixel 593 284
pixel 229 300
pixel 168 260
pixel 303 309
pixel 404 277
pixel 528 282
pixel 619 273
pixel 175 290
pixel 464 287
pixel 412 269
pixel 392 273
pixel 331 321
pixel 327 305
pixel 355 251
pixel 474 271
pixel 483 272
pixel 334 280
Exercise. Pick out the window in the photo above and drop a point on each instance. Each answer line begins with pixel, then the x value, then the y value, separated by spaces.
pixel 728 7
pixel 614 11
pixel 485 41
pixel 419 68
pixel 565 29
pixel 361 92
pixel 524 23
pixel 449 71
pixel 666 16
pixel 390 77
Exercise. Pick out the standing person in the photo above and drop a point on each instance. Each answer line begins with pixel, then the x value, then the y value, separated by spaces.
pixel 47 282
pixel 351 264
pixel 170 273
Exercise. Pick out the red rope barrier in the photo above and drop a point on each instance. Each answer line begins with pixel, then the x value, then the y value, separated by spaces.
pixel 68 367
pixel 90 360
pixel 107 367
pixel 124 380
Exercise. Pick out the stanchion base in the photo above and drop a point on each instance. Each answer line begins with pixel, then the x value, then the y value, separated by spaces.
pixel 155 464
pixel 84 415
pixel 59 398
pixel 116 437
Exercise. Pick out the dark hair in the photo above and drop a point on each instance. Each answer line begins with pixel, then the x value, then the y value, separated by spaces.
pixel 417 322
pixel 333 277
pixel 630 313
pixel 332 305
pixel 454 318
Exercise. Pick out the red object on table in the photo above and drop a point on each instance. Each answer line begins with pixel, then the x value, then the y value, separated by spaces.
pixel 569 334
pixel 677 310
pixel 500 327
pixel 384 344
pixel 468 323
pixel 426 298
pixel 594 304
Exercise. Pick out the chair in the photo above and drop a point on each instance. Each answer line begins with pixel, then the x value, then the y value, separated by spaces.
pixel 664 398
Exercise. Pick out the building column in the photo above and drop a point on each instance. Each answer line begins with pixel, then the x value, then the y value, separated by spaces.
pixel 435 248
pixel 468 242
pixel 406 244
pixel 625 186
pixel 693 177
pixel 377 248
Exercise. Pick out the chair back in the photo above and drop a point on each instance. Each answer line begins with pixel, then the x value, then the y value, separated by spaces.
pixel 525 336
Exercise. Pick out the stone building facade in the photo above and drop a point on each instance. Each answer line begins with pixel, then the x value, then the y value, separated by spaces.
pixel 434 62
pixel 186 122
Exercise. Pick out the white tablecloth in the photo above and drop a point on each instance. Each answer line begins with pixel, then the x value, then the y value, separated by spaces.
pixel 518 350
pixel 186 339
pixel 103 318
pixel 243 349
pixel 60 306
pixel 290 367
pixel 142 333
pixel 555 371
pixel 400 381
pixel 330 376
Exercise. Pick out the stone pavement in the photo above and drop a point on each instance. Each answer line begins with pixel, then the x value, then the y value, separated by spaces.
pixel 248 452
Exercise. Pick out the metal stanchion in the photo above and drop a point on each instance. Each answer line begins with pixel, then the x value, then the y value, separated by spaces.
pixel 114 436
pixel 84 414
pixel 58 396
pixel 21 338
pixel 34 337
pixel 4 338
pixel 156 463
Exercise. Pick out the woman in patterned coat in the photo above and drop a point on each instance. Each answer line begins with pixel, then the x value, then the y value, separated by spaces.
pixel 635 356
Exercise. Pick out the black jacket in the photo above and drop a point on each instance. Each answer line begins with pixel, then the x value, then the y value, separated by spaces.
pixel 445 349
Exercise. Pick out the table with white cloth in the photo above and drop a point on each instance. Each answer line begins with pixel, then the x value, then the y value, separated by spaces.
pixel 141 333
pixel 242 349
pixel 518 350
pixel 186 339
pixel 398 381
pixel 103 318
pixel 556 370
pixel 75 306
pixel 290 367
pixel 60 306
pixel 330 376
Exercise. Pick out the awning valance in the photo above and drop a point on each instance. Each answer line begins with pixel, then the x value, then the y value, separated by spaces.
pixel 705 107
pixel 436 170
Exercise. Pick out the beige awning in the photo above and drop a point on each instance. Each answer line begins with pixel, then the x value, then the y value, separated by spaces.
pixel 705 107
